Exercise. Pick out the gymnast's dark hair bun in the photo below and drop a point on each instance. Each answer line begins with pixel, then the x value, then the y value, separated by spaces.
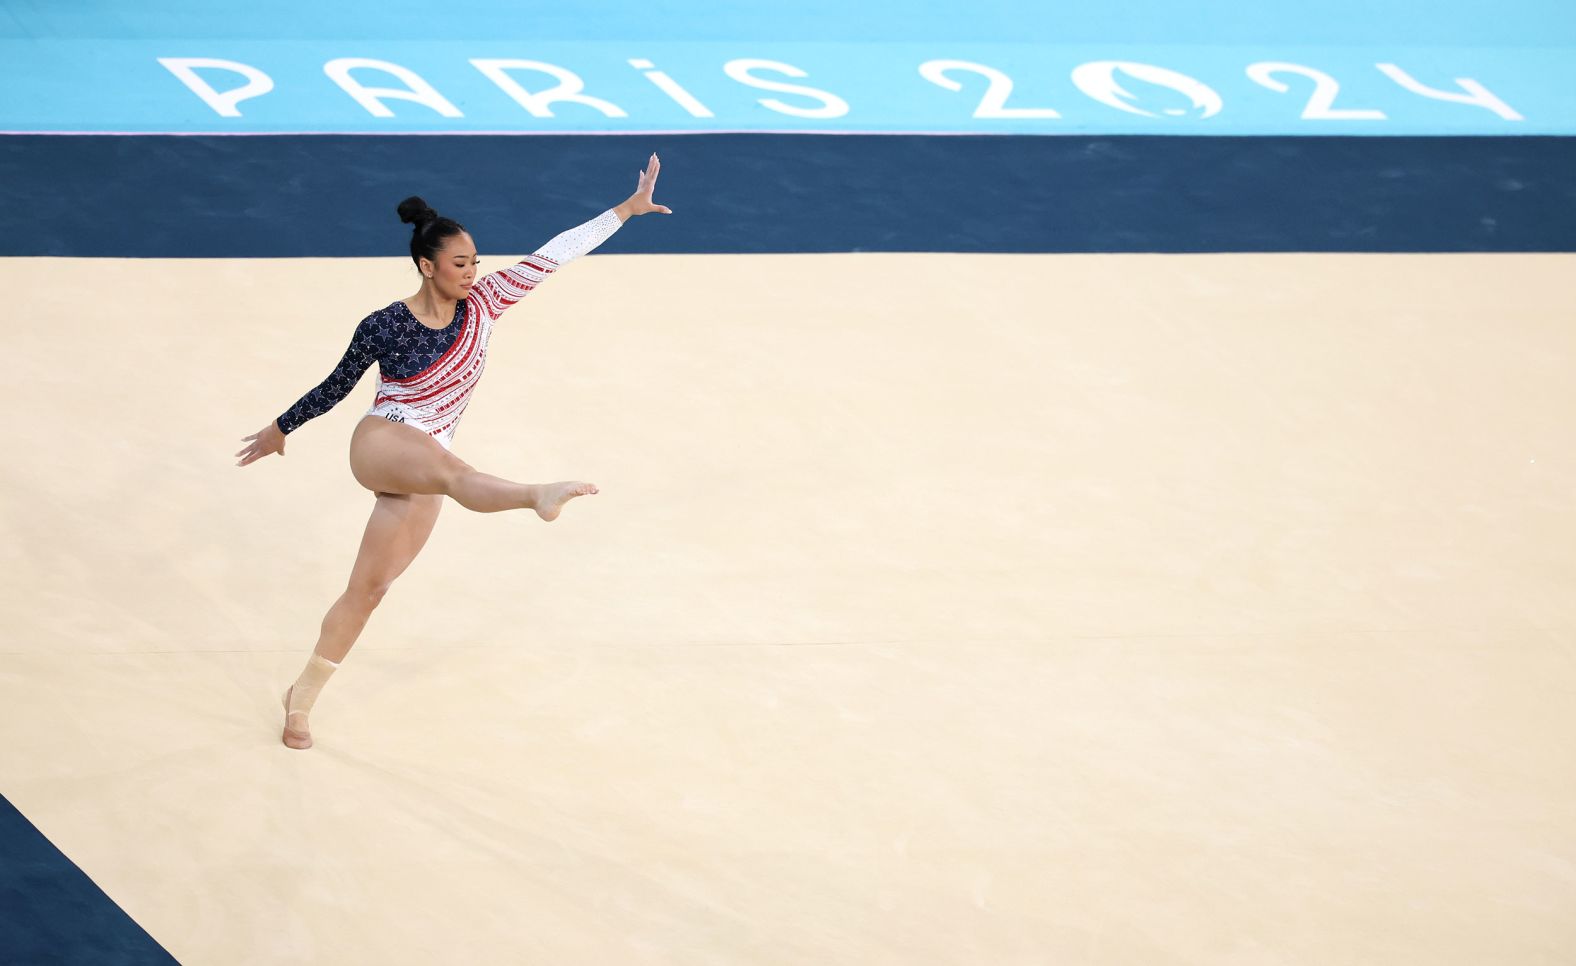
pixel 432 229
pixel 414 211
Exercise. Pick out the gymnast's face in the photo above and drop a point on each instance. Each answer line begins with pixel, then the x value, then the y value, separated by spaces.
pixel 454 271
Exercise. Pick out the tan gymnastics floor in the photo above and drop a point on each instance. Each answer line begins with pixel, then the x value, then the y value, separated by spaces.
pixel 936 610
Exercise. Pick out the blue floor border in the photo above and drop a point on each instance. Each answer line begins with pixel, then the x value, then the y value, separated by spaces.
pixel 52 914
pixel 330 195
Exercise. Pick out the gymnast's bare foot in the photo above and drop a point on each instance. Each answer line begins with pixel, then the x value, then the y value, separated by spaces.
pixel 551 497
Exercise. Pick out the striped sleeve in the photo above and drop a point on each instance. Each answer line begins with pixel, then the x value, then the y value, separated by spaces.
pixel 496 292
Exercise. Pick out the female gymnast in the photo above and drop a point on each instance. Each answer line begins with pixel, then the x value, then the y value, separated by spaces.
pixel 430 349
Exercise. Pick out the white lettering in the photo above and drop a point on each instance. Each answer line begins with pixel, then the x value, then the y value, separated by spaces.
pixel 1476 94
pixel 993 103
pixel 415 89
pixel 1320 106
pixel 539 105
pixel 185 70
pixel 1098 80
pixel 739 70
pixel 670 87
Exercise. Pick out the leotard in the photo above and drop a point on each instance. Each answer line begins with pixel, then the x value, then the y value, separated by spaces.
pixel 426 375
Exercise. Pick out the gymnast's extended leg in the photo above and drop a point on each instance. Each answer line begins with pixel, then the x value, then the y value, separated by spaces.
pixel 389 458
pixel 396 532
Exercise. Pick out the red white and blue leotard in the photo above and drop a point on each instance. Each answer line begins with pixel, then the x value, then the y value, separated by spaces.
pixel 426 375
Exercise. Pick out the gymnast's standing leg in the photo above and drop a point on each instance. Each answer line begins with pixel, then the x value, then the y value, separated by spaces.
pixel 396 532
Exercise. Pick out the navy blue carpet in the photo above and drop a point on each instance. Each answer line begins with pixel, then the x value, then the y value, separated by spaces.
pixel 334 195
pixel 51 913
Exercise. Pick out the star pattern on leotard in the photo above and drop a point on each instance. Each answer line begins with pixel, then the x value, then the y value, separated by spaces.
pixel 393 338
pixel 403 347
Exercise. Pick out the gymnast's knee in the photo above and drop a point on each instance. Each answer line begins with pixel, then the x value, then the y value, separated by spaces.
pixel 368 594
pixel 450 474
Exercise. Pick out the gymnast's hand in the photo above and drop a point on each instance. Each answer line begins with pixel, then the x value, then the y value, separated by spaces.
pixel 640 202
pixel 266 440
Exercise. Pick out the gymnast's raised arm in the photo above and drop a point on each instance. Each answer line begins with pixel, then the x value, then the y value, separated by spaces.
pixel 498 291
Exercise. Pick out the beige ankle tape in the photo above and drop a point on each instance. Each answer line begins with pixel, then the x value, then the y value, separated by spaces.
pixel 313 677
